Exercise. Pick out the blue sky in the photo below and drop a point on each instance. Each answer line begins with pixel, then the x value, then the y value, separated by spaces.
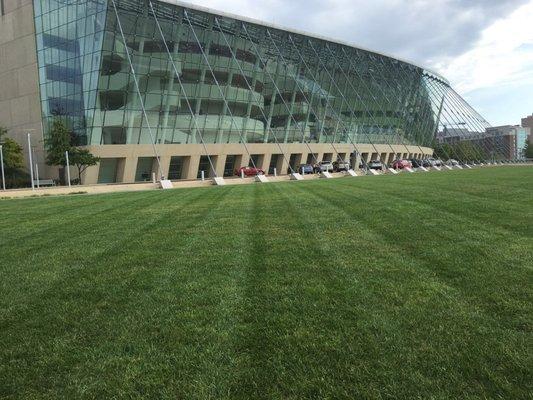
pixel 484 47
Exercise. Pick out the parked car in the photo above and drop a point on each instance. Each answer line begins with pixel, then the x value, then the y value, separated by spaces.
pixel 401 164
pixel 452 163
pixel 429 162
pixel 249 171
pixel 341 165
pixel 306 168
pixel 376 164
pixel 415 162
pixel 324 166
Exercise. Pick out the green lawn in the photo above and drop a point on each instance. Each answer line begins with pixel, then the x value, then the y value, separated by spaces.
pixel 409 286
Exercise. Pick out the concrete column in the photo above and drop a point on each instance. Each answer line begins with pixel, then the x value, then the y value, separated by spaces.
pixel 165 166
pixel 242 160
pixel 190 167
pixel 90 176
pixel 218 161
pixel 303 160
pixel 126 169
pixel 265 162
pixel 283 164
pixel 355 160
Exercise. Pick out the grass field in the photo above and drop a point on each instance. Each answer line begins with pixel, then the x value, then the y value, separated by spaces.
pixel 409 286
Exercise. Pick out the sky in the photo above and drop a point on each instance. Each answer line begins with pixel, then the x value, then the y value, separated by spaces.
pixel 483 47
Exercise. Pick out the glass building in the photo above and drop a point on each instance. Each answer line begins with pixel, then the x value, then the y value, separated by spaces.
pixel 173 89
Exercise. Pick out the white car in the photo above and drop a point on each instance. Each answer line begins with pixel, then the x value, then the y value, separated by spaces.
pixel 324 166
pixel 341 165
pixel 452 163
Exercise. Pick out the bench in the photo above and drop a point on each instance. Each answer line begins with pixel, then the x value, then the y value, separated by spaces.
pixel 44 182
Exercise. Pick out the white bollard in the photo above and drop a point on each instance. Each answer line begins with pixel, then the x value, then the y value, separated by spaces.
pixel 275 172
pixel 242 174
pixel 303 171
pixel 153 178
pixel 68 168
pixel 203 175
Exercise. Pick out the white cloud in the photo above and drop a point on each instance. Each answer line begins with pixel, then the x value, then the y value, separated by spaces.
pixel 503 56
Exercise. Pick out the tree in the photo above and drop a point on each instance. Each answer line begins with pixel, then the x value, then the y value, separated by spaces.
pixel 13 161
pixel 12 152
pixel 528 150
pixel 443 151
pixel 13 158
pixel 82 159
pixel 57 142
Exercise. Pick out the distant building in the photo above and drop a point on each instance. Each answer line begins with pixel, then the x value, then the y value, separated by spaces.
pixel 523 134
pixel 527 122
pixel 513 138
pixel 505 135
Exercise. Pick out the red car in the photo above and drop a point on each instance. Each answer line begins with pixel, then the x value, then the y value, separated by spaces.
pixel 249 171
pixel 401 164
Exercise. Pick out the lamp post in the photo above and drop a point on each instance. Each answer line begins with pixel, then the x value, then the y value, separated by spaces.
pixel 36 167
pixel 31 163
pixel 68 168
pixel 2 167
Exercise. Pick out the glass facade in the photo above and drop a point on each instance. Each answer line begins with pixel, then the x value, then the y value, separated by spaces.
pixel 206 78
pixel 69 39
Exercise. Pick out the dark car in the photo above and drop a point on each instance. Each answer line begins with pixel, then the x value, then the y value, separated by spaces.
pixel 416 163
pixel 428 162
pixel 249 171
pixel 431 162
pixel 376 164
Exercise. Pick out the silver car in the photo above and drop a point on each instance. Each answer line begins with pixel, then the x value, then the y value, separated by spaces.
pixel 324 166
pixel 341 165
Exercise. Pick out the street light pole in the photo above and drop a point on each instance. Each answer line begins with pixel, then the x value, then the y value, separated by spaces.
pixel 36 168
pixel 68 168
pixel 31 163
pixel 2 167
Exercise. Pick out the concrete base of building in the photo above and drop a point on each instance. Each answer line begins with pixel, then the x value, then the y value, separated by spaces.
pixel 261 179
pixel 351 172
pixel 219 181
pixel 166 184
pixel 113 188
pixel 134 163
